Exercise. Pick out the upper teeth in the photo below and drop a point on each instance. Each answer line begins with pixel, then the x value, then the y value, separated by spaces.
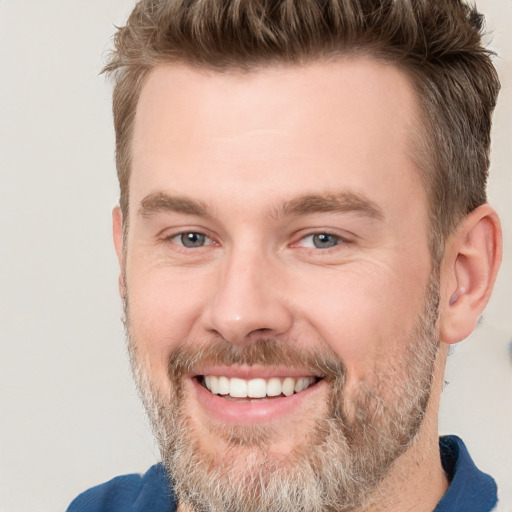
pixel 256 388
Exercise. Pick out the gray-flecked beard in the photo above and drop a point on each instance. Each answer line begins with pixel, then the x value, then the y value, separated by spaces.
pixel 337 467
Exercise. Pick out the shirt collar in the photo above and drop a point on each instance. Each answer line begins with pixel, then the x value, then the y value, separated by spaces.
pixel 470 489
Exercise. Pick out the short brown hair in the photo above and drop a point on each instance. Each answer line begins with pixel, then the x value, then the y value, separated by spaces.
pixel 437 43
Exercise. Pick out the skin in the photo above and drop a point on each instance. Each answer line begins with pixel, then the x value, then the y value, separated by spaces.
pixel 243 147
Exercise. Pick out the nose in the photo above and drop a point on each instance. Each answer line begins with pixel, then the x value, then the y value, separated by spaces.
pixel 250 300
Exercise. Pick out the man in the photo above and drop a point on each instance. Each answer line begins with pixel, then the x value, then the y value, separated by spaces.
pixel 302 233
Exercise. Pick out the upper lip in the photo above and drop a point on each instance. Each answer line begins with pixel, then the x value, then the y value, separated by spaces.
pixel 253 372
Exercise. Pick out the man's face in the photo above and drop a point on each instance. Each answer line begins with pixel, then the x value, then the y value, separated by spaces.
pixel 277 248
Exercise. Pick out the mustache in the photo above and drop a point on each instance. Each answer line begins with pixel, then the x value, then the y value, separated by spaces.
pixel 270 352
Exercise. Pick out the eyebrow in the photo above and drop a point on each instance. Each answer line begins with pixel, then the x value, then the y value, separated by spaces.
pixel 343 202
pixel 162 202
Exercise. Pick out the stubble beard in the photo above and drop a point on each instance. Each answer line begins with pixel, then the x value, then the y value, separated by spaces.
pixel 339 464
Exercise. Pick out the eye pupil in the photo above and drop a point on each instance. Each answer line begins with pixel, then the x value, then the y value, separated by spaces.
pixel 324 241
pixel 192 239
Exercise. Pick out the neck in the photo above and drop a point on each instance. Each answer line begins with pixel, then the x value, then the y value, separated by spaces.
pixel 417 482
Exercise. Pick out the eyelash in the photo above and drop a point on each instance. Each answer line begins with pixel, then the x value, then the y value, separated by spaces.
pixel 339 240
pixel 174 236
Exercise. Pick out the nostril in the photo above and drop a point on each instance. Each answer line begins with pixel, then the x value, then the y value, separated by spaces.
pixel 261 332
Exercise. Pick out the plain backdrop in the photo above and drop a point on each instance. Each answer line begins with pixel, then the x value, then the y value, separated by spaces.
pixel 69 415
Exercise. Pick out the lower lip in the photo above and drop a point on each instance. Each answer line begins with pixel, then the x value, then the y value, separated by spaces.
pixel 257 410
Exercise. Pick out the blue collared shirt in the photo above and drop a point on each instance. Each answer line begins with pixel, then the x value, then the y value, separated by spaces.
pixel 470 489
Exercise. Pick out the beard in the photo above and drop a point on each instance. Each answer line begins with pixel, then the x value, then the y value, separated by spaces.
pixel 338 464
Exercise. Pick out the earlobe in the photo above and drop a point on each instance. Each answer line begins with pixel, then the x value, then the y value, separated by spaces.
pixel 117 231
pixel 468 272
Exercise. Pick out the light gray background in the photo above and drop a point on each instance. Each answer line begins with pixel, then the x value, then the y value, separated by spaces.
pixel 69 417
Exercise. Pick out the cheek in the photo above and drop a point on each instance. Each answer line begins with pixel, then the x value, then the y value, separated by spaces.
pixel 365 315
pixel 164 306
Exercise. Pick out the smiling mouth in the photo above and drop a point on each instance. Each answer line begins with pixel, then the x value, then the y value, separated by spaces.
pixel 259 388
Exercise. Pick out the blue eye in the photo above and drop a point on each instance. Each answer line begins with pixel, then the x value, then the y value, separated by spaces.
pixel 191 240
pixel 321 241
pixel 325 241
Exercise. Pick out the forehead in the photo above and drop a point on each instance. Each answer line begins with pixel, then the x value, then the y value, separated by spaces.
pixel 318 124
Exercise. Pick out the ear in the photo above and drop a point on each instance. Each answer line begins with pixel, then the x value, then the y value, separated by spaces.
pixel 468 271
pixel 117 231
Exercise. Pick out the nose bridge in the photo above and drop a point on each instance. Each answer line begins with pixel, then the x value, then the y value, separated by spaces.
pixel 248 299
